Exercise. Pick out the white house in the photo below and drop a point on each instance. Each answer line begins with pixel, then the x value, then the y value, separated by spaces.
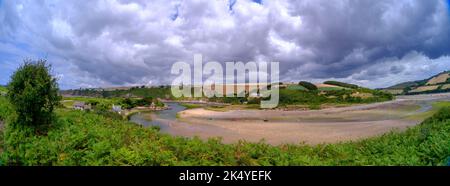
pixel 79 105
pixel 117 108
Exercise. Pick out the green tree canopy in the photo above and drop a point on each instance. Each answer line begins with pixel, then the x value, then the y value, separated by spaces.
pixel 33 92
pixel 308 85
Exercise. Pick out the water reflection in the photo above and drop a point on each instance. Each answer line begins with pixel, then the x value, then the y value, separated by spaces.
pixel 170 114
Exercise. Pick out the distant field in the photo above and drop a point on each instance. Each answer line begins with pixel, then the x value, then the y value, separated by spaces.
pixel 436 84
pixel 331 88
pixel 326 87
pixel 321 87
pixel 425 88
pixel 438 79
pixel 394 91
pixel 296 87
pixel 362 95
pixel 69 101
pixel 446 86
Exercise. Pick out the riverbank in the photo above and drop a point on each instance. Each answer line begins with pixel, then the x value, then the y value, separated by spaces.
pixel 330 125
pixel 87 139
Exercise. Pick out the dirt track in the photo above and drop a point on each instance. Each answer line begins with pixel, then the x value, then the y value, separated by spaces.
pixel 312 127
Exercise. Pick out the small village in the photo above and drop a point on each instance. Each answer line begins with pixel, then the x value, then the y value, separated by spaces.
pixel 118 107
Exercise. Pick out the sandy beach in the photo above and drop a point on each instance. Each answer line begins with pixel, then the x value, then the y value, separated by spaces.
pixel 311 127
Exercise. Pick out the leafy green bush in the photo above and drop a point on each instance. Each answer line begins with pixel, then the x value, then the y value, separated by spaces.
pixel 5 108
pixel 33 93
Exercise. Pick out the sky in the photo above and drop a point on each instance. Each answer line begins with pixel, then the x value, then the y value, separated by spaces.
pixel 104 43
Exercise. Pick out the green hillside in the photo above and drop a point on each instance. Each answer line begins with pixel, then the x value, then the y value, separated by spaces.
pixel 155 92
pixel 435 84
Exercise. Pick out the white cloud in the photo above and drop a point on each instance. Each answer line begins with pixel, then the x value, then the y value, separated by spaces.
pixel 127 42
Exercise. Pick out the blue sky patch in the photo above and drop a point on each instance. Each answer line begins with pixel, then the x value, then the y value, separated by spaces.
pixel 257 1
pixel 231 4
pixel 448 6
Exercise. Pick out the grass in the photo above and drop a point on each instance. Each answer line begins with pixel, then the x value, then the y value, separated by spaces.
pixel 110 101
pixel 296 87
pixel 435 108
pixel 67 103
pixel 3 89
pixel 332 88
pixel 218 108
pixel 191 106
pixel 81 138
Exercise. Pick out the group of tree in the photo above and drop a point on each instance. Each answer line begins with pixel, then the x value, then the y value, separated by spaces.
pixel 129 103
pixel 307 85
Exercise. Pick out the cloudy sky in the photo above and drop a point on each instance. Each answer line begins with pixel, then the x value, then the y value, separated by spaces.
pixel 97 43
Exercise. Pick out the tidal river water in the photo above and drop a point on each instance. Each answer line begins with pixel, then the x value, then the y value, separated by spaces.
pixel 279 127
pixel 170 114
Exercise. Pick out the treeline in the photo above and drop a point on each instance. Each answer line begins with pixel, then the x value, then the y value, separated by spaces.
pixel 293 97
pixel 162 92
pixel 307 85
pixel 128 103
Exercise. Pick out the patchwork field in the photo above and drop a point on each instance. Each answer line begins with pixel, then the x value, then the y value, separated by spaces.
pixel 436 84
pixel 439 79
pixel 394 91
pixel 425 88
pixel 446 86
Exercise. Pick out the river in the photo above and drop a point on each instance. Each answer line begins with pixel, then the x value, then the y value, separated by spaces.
pixel 314 127
pixel 170 114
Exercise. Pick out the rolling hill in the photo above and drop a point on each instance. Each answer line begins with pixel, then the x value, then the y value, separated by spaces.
pixel 435 84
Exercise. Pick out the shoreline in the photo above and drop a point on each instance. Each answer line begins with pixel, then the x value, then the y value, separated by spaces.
pixel 331 125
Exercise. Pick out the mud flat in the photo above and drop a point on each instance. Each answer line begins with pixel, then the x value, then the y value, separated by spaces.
pixel 312 127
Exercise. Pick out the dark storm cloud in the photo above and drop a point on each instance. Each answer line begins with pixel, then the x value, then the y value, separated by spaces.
pixel 127 42
pixel 351 35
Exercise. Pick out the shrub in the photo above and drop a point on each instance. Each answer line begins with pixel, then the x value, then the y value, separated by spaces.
pixel 33 93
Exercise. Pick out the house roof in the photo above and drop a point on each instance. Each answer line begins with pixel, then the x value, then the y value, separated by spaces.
pixel 79 104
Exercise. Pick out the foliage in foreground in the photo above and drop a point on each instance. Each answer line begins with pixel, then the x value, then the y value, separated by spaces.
pixel 33 93
pixel 80 138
